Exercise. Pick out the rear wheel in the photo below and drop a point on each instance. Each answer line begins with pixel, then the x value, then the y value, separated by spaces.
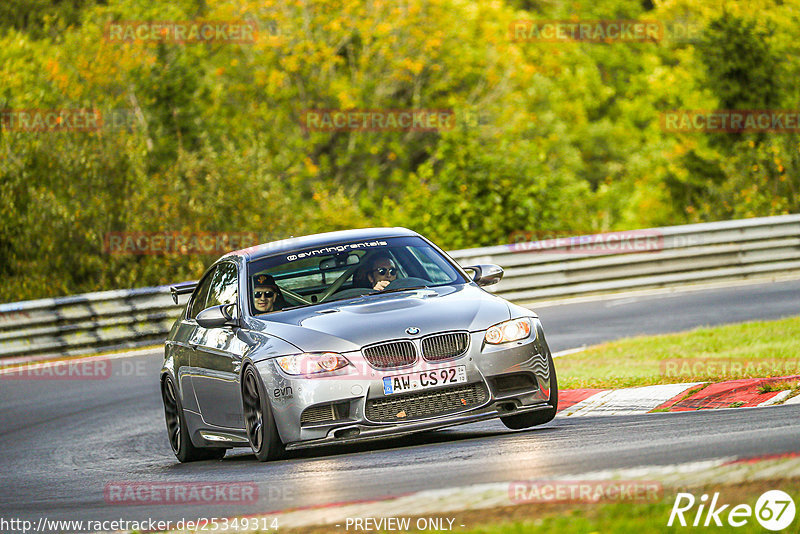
pixel 177 432
pixel 540 417
pixel 261 430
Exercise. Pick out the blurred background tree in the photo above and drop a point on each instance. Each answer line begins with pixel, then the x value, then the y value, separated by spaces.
pixel 560 136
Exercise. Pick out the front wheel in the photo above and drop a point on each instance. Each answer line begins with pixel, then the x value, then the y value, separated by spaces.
pixel 527 420
pixel 177 432
pixel 261 430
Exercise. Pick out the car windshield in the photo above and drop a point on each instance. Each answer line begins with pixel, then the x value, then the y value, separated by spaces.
pixel 346 270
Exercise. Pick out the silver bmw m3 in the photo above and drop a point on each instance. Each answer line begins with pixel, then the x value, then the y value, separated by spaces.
pixel 344 337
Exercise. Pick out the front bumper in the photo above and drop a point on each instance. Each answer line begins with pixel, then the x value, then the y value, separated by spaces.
pixel 359 432
pixel 502 380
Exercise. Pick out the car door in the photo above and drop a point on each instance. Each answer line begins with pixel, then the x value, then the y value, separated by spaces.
pixel 217 358
pixel 183 344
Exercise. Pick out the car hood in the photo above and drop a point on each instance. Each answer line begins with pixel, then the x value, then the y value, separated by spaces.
pixel 348 325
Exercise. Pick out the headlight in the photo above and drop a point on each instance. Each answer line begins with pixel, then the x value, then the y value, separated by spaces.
pixel 512 330
pixel 309 364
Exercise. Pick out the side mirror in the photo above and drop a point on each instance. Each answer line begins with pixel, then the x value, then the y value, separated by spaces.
pixel 217 316
pixel 486 275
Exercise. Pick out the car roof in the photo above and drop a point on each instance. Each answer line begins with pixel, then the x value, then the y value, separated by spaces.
pixel 319 240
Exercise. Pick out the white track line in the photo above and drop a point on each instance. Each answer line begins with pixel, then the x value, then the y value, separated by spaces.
pixel 442 502
pixel 793 400
pixel 568 352
pixel 776 398
pixel 629 401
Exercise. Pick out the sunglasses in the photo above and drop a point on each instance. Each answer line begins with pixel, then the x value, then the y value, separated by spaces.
pixel 267 294
pixel 383 270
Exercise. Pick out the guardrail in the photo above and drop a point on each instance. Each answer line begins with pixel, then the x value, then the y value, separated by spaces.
pixel 728 250
pixel 564 267
pixel 91 322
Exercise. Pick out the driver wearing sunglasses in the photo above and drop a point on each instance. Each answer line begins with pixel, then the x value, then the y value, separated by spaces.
pixel 383 272
pixel 265 293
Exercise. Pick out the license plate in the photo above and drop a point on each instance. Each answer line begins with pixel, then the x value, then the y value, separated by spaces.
pixel 424 379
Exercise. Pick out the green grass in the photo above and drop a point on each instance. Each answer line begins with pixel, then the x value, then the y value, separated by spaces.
pixel 779 386
pixel 635 517
pixel 711 354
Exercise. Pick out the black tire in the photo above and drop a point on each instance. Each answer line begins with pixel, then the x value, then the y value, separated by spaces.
pixel 540 417
pixel 259 421
pixel 177 432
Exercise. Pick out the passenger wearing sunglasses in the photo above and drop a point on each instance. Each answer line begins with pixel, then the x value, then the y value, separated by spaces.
pixel 382 272
pixel 266 294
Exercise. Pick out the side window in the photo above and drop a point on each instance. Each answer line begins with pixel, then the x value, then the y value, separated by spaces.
pixel 200 295
pixel 223 286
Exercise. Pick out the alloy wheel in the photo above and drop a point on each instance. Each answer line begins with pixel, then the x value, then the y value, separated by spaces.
pixel 253 414
pixel 172 416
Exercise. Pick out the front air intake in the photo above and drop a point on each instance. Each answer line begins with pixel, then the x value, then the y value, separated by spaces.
pixel 391 355
pixel 445 346
pixel 410 406
pixel 325 414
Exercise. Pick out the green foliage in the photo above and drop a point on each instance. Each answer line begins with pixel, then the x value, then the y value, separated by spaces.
pixel 743 69
pixel 468 196
pixel 548 136
pixel 39 18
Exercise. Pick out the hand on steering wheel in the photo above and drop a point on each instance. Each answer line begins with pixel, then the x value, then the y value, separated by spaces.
pixel 381 285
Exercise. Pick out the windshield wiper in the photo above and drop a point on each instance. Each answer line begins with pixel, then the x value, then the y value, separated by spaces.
pixel 293 307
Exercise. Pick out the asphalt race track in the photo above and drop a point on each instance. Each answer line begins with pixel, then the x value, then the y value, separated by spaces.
pixel 63 441
pixel 569 326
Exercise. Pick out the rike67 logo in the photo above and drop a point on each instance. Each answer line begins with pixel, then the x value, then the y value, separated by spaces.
pixel 774 510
